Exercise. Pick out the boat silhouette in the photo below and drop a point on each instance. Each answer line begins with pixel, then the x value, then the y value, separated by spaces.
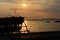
pixel 10 24
pixel 57 21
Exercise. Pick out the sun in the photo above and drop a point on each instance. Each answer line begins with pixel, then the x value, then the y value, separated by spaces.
pixel 24 5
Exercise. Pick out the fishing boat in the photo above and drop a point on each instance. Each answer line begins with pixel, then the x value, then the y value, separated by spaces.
pixel 10 24
pixel 58 21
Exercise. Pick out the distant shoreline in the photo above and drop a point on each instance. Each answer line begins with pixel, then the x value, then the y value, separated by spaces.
pixel 42 19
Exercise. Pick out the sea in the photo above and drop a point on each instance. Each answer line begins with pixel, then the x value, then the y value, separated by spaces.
pixel 42 26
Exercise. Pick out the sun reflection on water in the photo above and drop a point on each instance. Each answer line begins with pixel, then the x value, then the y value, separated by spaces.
pixel 24 28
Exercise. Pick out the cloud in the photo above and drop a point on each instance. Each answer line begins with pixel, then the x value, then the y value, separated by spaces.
pixel 9 1
pixel 50 6
pixel 53 7
pixel 43 5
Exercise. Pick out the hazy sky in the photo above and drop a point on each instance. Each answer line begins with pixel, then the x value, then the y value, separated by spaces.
pixel 33 9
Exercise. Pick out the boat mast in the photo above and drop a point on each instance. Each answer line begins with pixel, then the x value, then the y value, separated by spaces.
pixel 15 11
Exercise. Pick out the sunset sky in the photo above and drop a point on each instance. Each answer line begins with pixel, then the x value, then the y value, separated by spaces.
pixel 31 9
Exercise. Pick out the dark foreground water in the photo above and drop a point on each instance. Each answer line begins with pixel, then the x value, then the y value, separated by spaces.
pixel 42 26
pixel 38 30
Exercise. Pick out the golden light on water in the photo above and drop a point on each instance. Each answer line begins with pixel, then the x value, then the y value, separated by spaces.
pixel 24 28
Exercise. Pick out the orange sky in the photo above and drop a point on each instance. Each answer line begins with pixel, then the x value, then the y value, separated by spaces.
pixel 33 8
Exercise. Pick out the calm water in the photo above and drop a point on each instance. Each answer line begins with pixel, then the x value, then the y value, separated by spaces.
pixel 41 26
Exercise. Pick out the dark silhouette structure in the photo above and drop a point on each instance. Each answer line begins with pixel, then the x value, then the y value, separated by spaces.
pixel 11 24
pixel 57 21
